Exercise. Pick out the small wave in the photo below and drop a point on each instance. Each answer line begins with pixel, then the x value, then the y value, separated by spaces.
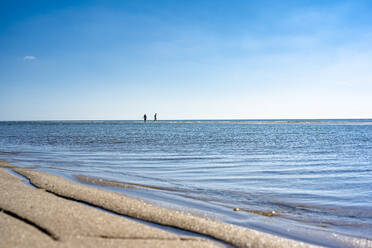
pixel 181 158
pixel 112 183
pixel 348 212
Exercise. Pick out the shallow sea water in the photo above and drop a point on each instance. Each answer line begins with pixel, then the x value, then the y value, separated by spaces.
pixel 306 179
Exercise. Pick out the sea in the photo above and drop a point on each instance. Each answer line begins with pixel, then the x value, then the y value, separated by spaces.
pixel 309 180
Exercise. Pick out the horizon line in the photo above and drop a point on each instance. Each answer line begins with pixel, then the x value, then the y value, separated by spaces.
pixel 233 119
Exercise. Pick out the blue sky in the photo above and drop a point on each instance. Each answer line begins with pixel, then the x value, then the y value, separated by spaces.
pixel 185 59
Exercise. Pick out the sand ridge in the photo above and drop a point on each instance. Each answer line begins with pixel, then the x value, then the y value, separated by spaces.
pixel 32 217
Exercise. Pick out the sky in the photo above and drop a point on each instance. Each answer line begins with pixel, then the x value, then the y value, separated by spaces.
pixel 204 59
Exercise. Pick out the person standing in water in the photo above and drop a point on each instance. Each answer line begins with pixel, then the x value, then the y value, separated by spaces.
pixel 155 116
pixel 144 118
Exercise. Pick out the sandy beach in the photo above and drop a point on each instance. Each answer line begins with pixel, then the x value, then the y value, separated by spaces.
pixel 60 213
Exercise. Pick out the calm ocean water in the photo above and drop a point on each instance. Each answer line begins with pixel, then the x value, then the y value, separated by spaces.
pixel 306 179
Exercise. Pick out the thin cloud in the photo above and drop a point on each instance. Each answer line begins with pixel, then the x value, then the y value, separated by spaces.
pixel 29 57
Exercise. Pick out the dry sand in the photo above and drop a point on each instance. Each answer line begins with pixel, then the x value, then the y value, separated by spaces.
pixel 52 215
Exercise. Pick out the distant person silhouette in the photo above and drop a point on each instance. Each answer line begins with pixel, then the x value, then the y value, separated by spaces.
pixel 155 116
pixel 144 118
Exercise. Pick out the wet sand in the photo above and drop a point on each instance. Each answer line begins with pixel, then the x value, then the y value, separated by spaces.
pixel 53 215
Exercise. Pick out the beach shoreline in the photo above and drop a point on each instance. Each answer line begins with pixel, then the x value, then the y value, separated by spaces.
pixel 128 206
